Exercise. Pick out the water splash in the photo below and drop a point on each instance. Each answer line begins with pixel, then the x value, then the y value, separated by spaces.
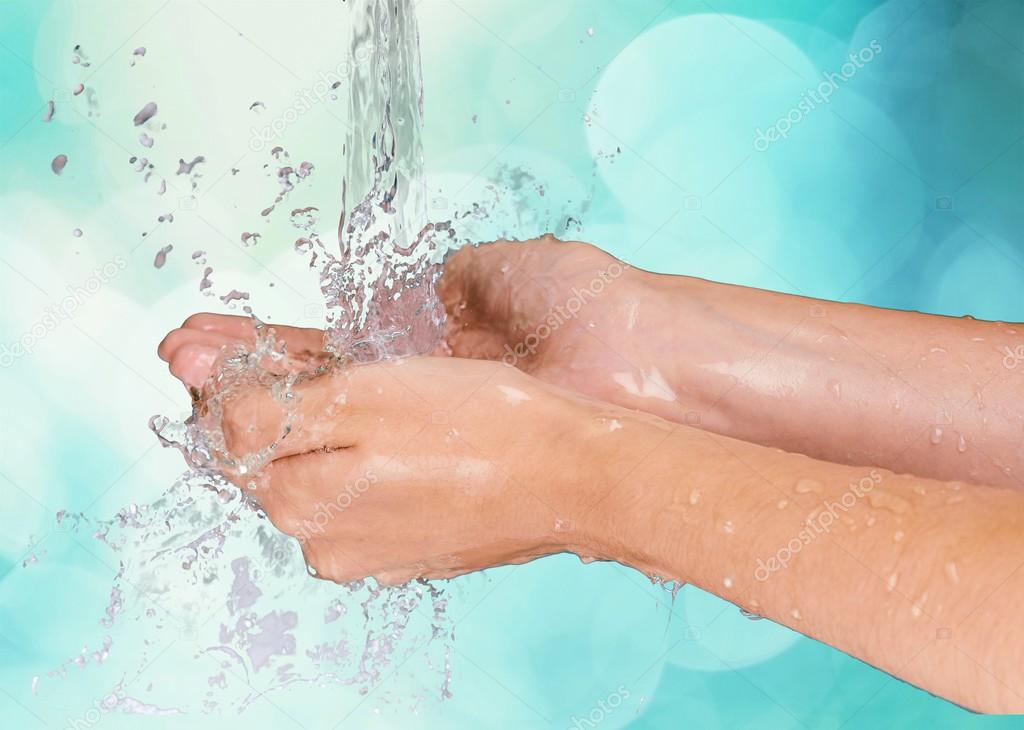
pixel 379 289
pixel 203 563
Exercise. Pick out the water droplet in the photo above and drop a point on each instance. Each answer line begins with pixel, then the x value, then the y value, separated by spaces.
pixel 916 610
pixel 727 582
pixel 795 613
pixel 808 485
pixel 727 527
pixel 185 168
pixel 890 584
pixel 952 573
pixel 145 114
pixel 694 496
pixel 836 389
pixel 936 435
pixel 77 233
pixel 898 536
pixel 888 501
pixel 781 504
pixel 161 256
pixel 961 444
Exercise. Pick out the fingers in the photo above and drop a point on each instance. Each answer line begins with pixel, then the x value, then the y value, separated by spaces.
pixel 296 339
pixel 175 339
pixel 188 348
pixel 193 363
pixel 314 418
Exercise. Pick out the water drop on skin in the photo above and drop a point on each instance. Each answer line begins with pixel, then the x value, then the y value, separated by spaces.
pixel 898 536
pixel 961 444
pixel 890 584
pixel 936 435
pixel 915 610
pixel 952 573
pixel 727 582
pixel 836 390
pixel 781 504
pixel 795 613
pixel 807 485
pixel 727 527
pixel 694 496
pixel 888 501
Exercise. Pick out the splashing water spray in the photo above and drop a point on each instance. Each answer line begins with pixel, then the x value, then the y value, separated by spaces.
pixel 202 566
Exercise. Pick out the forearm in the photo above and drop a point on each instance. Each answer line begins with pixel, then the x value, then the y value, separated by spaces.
pixel 917 577
pixel 936 396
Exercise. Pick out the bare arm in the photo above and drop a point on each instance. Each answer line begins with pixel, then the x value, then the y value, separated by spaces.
pixel 434 467
pixel 917 577
pixel 936 396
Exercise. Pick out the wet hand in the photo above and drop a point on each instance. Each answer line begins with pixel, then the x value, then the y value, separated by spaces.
pixel 425 467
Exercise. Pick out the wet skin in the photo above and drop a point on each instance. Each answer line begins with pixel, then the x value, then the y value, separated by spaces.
pixel 659 426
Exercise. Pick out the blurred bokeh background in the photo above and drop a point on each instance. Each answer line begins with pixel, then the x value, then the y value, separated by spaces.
pixel 689 137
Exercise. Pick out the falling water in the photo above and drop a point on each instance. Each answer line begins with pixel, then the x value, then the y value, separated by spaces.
pixel 380 289
pixel 202 565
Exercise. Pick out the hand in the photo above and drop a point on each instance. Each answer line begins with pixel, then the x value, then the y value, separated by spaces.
pixel 565 312
pixel 402 470
pixel 193 350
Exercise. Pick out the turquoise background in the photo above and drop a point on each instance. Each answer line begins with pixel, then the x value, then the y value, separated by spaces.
pixel 904 190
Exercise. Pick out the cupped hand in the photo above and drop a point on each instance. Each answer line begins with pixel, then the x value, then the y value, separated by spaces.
pixel 565 312
pixel 424 467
